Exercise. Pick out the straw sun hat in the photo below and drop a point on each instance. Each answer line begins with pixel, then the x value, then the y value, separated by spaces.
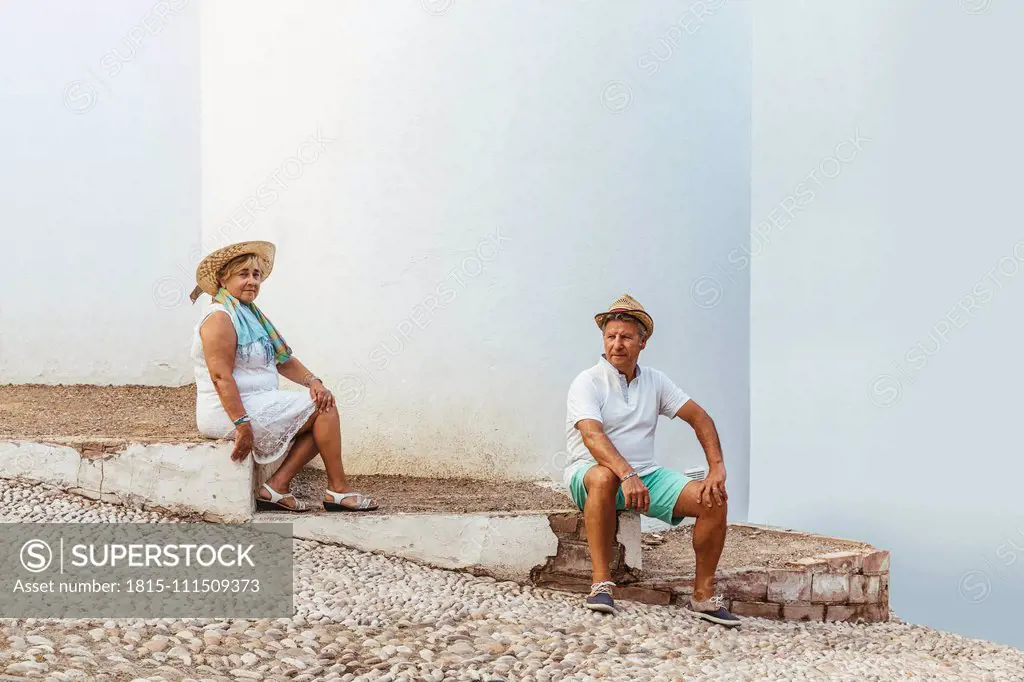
pixel 630 306
pixel 206 272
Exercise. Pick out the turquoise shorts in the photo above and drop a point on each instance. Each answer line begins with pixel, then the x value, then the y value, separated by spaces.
pixel 664 485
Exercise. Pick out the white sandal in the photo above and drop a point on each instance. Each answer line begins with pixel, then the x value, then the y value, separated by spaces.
pixel 274 503
pixel 364 503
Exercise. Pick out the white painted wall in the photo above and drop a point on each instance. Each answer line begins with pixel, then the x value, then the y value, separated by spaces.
pixel 101 189
pixel 481 180
pixel 857 431
pixel 495 174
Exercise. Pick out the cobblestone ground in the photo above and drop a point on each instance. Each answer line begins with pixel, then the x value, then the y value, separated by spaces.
pixel 370 617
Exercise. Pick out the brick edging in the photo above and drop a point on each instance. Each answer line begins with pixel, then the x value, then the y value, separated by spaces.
pixel 570 567
pixel 844 586
pixel 847 586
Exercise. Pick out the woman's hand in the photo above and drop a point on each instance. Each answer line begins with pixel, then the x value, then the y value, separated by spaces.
pixel 243 442
pixel 323 398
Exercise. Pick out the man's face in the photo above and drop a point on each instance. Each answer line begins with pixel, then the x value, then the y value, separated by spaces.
pixel 244 284
pixel 622 344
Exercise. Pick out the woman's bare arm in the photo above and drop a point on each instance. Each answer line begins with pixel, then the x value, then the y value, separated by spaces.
pixel 296 371
pixel 219 339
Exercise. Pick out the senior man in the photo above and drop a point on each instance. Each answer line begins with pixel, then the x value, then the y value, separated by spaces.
pixel 612 414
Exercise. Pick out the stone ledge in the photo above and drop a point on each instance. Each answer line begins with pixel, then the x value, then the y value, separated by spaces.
pixel 200 479
pixel 505 546
pixel 181 478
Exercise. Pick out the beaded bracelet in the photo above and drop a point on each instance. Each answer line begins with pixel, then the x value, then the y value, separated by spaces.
pixel 628 476
pixel 244 419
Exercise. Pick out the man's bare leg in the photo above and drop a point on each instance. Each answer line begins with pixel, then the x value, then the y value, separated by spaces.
pixel 599 514
pixel 708 536
pixel 708 541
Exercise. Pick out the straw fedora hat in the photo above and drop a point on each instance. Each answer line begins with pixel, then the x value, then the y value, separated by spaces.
pixel 630 306
pixel 209 267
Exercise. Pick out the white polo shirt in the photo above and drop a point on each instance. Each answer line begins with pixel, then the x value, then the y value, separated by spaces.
pixel 629 413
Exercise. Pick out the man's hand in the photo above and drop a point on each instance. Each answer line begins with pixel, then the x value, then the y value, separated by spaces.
pixel 323 398
pixel 636 494
pixel 713 488
pixel 243 442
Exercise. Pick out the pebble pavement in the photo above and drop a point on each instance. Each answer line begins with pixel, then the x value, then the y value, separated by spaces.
pixel 370 617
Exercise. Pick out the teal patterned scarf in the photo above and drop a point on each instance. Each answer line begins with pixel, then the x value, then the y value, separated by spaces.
pixel 252 325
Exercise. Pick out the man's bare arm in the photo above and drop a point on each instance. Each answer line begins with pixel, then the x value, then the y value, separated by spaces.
pixel 713 485
pixel 601 447
pixel 634 491
pixel 694 415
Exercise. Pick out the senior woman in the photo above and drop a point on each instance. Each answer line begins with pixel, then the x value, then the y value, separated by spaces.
pixel 238 354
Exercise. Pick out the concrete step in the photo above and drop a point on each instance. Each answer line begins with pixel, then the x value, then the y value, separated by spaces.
pixel 199 478
pixel 501 528
pixel 183 478
pixel 508 546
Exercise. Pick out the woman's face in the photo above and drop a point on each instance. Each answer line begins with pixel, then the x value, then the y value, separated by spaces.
pixel 244 284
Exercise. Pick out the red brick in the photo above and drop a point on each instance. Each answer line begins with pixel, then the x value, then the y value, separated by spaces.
pixel 830 588
pixel 883 590
pixel 814 612
pixel 876 563
pixel 566 524
pixel 786 586
pixel 573 558
pixel 843 562
pixel 643 594
pixel 840 612
pixel 94 450
pixel 810 564
pixel 748 586
pixel 757 609
pixel 673 585
pixel 864 589
pixel 872 613
pixel 560 581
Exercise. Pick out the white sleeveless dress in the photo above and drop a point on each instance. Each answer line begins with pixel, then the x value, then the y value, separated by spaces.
pixel 276 415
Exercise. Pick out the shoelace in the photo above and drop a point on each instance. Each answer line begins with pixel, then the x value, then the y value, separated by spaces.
pixel 717 601
pixel 603 587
